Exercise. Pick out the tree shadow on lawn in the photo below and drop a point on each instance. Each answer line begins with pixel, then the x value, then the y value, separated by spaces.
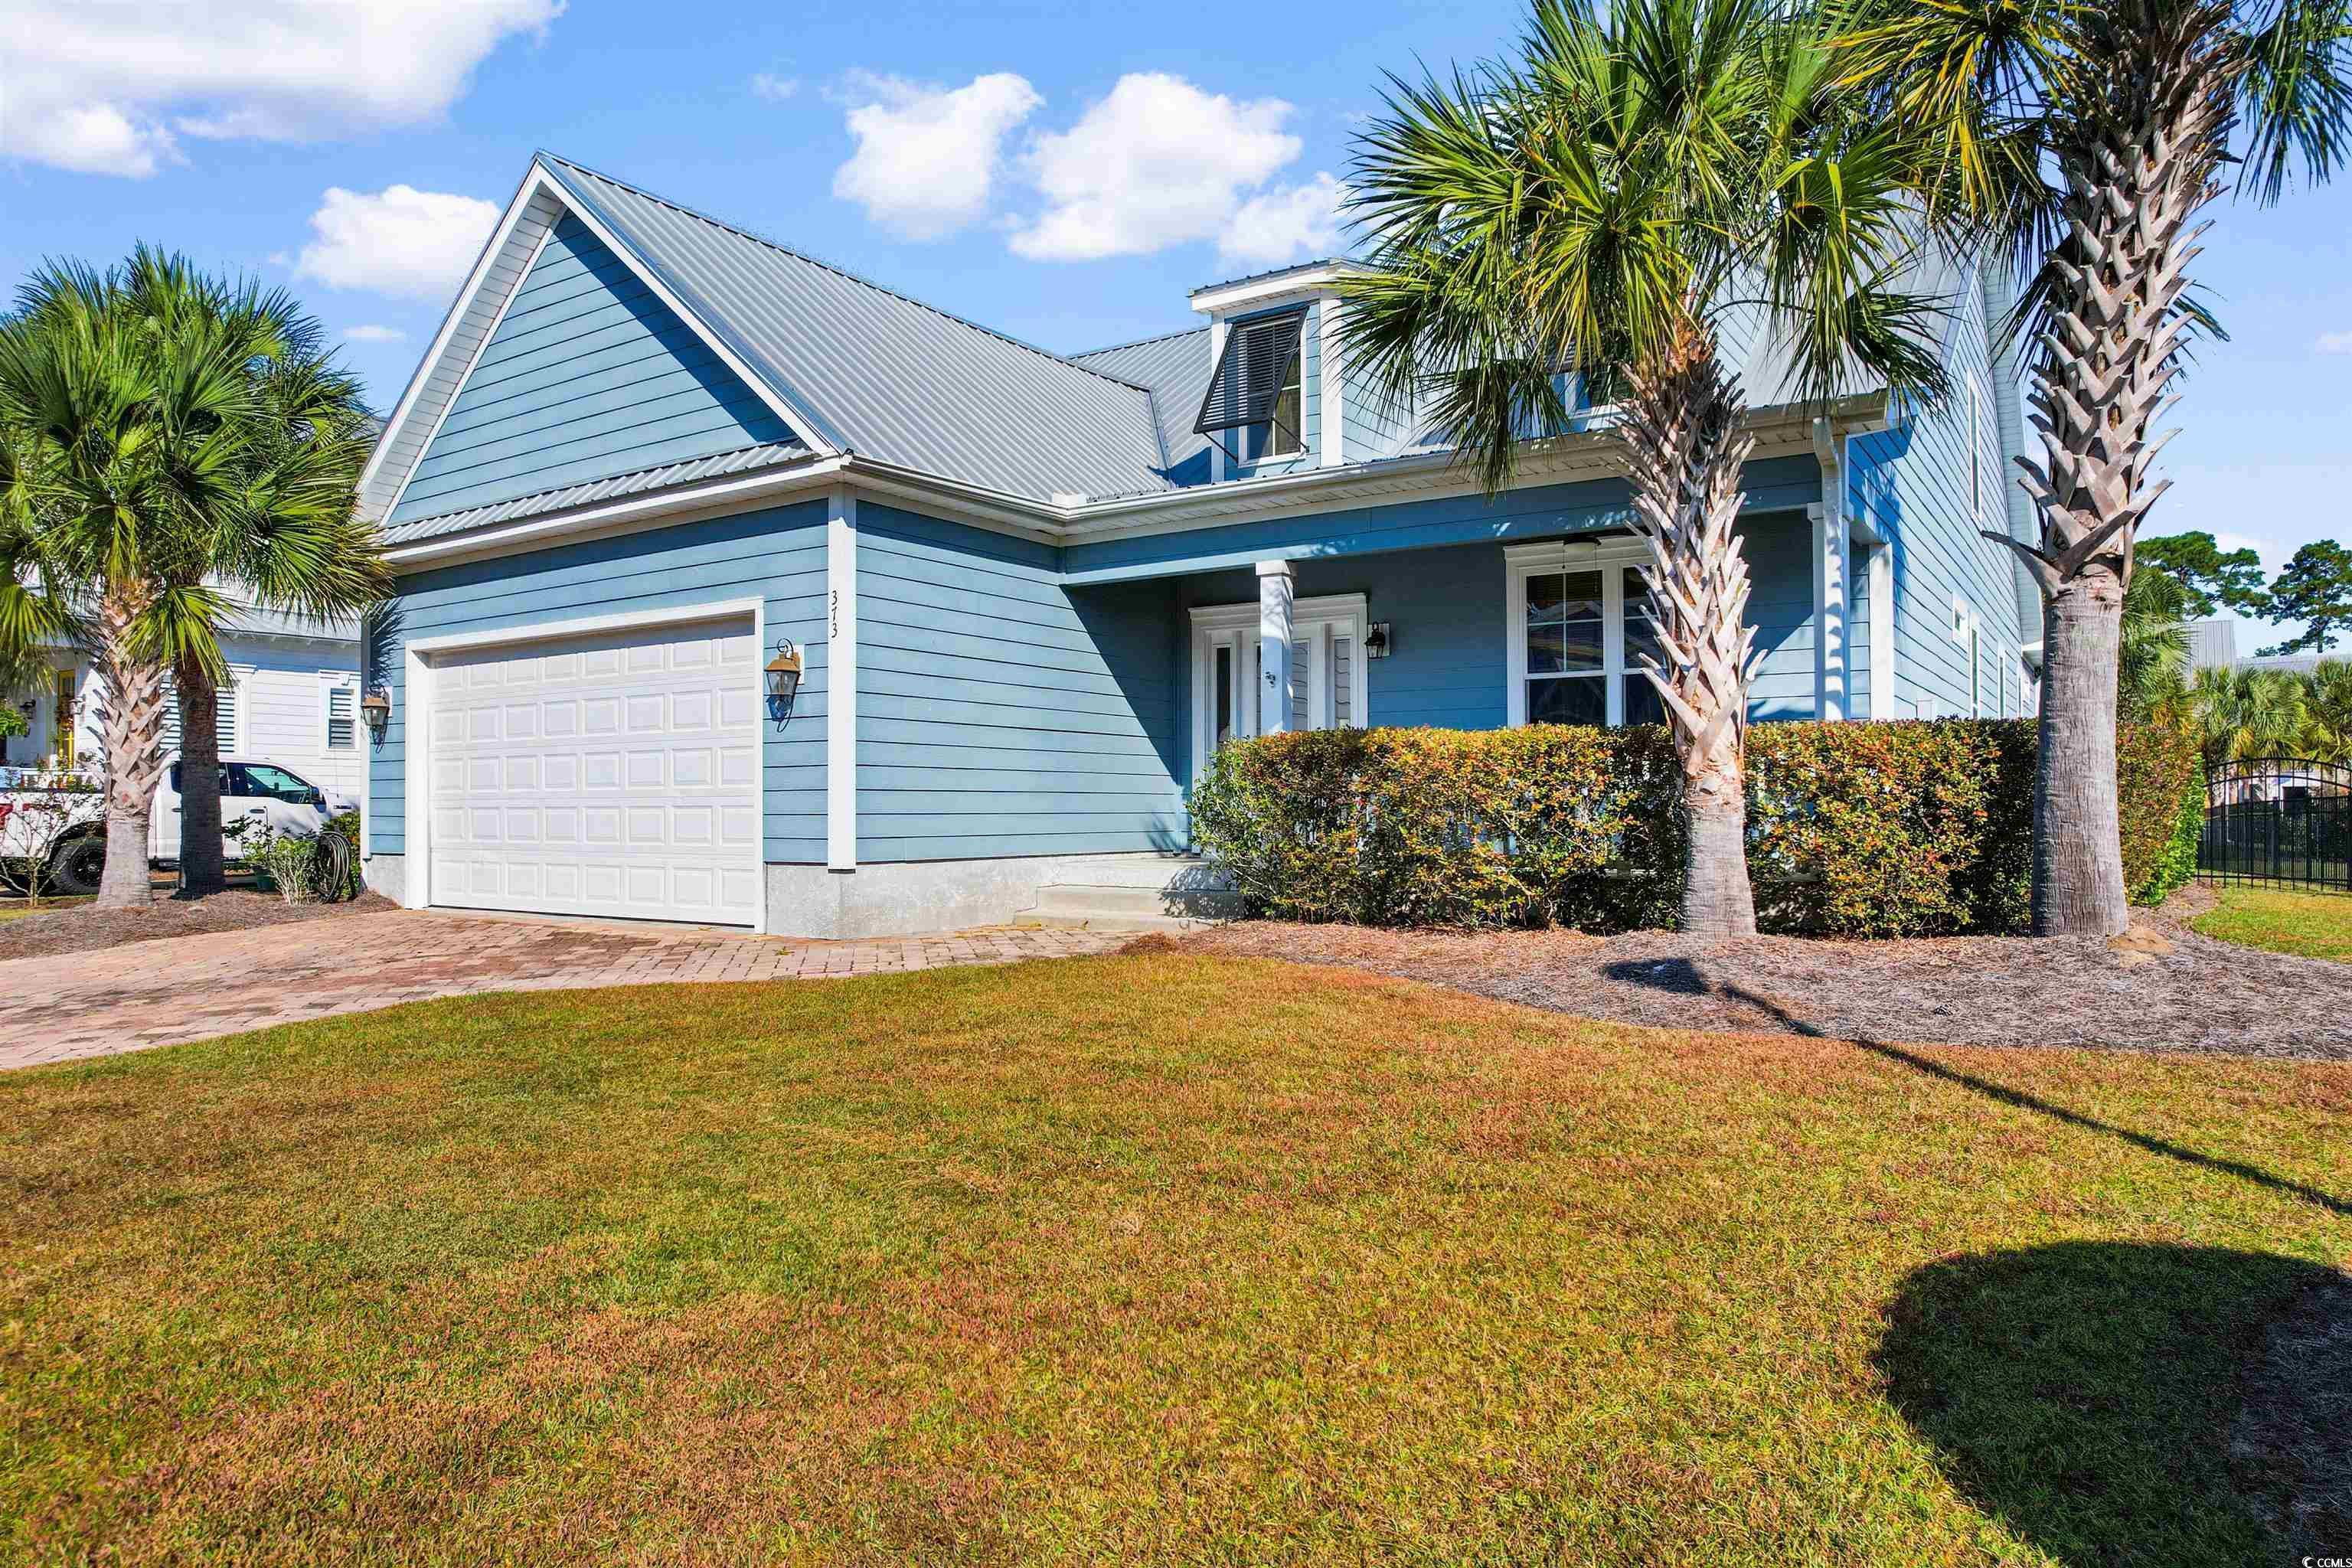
pixel 2117 1402
pixel 2124 1403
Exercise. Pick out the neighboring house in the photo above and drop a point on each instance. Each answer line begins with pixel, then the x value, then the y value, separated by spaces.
pixel 1032 591
pixel 2213 644
pixel 293 698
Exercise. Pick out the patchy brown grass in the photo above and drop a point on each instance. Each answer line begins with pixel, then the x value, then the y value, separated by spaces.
pixel 1154 1258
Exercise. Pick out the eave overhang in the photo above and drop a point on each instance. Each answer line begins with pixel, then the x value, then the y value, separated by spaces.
pixel 1781 431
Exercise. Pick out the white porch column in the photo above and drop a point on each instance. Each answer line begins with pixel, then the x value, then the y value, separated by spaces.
pixel 1274 593
pixel 1833 546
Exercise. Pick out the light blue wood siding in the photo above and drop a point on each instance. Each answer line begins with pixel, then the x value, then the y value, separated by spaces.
pixel 1778 548
pixel 587 376
pixel 1371 425
pixel 777 555
pixel 1927 485
pixel 1001 712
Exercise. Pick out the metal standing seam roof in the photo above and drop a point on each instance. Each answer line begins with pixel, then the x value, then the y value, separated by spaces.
pixel 1175 367
pixel 737 461
pixel 886 376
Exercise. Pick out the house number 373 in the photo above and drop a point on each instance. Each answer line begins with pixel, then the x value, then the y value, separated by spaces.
pixel 833 613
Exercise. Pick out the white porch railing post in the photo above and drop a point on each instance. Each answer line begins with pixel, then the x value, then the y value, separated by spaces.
pixel 1274 593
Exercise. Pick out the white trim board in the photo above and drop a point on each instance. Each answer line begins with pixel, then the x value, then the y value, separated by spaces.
pixel 841 683
pixel 417 889
pixel 1298 492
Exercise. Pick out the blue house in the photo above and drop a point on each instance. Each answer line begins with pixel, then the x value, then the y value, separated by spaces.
pixel 647 452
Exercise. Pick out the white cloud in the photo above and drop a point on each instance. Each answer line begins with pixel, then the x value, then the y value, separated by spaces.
pixel 1283 224
pixel 371 333
pixel 774 88
pixel 398 240
pixel 926 156
pixel 111 87
pixel 2335 343
pixel 1155 163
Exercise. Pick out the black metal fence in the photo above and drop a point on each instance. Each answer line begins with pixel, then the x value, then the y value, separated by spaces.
pixel 2279 819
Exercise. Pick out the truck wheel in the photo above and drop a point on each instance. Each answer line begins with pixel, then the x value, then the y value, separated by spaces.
pixel 77 867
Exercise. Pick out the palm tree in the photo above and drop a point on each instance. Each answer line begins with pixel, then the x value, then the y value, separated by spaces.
pixel 2086 139
pixel 143 468
pixel 2246 713
pixel 2153 657
pixel 2327 712
pixel 1642 170
pixel 290 540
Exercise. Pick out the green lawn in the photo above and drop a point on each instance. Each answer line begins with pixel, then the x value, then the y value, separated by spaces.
pixel 1140 1259
pixel 17 908
pixel 2317 925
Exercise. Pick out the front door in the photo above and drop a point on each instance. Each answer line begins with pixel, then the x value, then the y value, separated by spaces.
pixel 1326 671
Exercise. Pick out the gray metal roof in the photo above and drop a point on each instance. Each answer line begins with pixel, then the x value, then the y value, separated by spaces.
pixel 1176 370
pixel 1272 272
pixel 735 462
pixel 882 375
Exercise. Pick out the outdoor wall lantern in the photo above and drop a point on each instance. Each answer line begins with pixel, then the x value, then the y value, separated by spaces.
pixel 375 708
pixel 1376 640
pixel 783 680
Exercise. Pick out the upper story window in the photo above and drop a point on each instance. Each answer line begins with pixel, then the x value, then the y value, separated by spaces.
pixel 1254 409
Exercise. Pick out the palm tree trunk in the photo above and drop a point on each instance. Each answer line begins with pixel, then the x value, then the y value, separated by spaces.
pixel 1681 430
pixel 134 733
pixel 200 867
pixel 2137 177
pixel 2078 865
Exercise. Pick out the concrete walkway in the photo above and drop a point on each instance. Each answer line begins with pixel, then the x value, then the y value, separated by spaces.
pixel 167 991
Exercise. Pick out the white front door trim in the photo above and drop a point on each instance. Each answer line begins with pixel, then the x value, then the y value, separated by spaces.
pixel 416 724
pixel 1236 627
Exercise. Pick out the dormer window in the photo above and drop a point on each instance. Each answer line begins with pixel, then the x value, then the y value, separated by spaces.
pixel 1257 390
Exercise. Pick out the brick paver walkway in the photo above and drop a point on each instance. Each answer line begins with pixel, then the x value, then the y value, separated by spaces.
pixel 163 993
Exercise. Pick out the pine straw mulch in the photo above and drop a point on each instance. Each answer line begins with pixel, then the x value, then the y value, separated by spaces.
pixel 2163 988
pixel 83 928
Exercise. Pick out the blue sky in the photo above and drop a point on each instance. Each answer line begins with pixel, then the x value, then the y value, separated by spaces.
pixel 1063 174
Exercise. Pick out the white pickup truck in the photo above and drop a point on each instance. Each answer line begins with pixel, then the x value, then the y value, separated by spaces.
pixel 60 821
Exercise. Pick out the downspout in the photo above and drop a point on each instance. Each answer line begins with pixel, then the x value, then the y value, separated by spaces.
pixel 1998 293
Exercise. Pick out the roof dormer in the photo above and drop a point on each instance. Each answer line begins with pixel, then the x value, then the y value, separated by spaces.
pixel 1270 406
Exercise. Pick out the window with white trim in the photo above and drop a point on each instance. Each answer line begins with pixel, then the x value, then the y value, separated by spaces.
pixel 341 716
pixel 1580 620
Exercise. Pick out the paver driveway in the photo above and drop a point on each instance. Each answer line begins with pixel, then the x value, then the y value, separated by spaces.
pixel 166 991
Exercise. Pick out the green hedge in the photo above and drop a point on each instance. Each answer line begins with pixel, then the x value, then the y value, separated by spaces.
pixel 1856 829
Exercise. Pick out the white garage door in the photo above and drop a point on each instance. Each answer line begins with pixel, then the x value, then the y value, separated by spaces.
pixel 615 775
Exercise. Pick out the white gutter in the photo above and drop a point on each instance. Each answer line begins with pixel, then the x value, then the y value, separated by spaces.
pixel 1781 431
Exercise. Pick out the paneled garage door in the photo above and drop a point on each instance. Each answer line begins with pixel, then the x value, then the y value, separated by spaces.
pixel 615 775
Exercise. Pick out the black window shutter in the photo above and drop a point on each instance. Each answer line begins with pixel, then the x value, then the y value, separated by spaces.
pixel 1251 372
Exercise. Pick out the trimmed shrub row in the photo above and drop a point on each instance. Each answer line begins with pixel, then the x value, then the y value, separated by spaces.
pixel 1873 830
